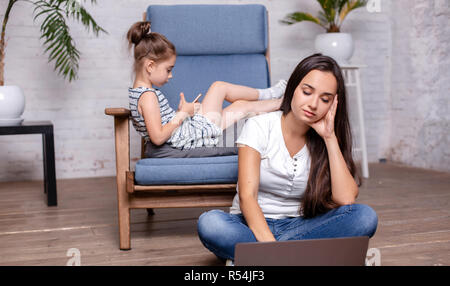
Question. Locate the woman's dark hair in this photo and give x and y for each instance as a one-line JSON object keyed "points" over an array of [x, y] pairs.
{"points": [[317, 197], [148, 44]]}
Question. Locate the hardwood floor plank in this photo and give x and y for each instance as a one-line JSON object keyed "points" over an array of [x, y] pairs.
{"points": [[413, 208]]}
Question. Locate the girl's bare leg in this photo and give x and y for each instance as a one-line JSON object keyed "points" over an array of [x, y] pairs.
{"points": [[241, 109], [220, 91], [244, 100]]}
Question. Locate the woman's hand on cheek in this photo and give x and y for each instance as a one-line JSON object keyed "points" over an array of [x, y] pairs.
{"points": [[325, 126]]}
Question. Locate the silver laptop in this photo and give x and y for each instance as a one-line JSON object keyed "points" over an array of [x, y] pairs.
{"points": [[348, 251]]}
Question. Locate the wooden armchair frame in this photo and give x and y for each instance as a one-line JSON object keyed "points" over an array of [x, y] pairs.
{"points": [[131, 196]]}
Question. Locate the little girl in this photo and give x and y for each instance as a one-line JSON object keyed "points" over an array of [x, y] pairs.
{"points": [[194, 124]]}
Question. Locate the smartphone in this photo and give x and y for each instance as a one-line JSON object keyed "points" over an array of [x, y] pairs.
{"points": [[198, 96]]}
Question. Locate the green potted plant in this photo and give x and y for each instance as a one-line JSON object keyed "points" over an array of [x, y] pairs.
{"points": [[333, 43], [59, 45]]}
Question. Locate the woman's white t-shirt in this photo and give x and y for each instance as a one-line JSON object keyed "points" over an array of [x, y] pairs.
{"points": [[283, 178]]}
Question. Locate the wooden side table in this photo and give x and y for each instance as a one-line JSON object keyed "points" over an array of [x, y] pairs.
{"points": [[46, 129], [352, 79]]}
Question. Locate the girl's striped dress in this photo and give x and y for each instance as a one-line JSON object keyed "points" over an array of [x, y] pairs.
{"points": [[196, 131]]}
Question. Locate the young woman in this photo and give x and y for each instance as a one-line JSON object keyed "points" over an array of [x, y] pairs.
{"points": [[194, 124], [297, 178]]}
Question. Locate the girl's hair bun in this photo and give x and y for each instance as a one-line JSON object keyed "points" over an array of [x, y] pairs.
{"points": [[145, 27], [138, 31]]}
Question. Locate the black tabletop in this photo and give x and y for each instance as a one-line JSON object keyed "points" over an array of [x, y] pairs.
{"points": [[28, 127]]}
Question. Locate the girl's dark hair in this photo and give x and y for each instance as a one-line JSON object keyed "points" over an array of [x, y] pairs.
{"points": [[147, 44], [317, 197]]}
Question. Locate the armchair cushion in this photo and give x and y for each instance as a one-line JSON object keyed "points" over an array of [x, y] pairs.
{"points": [[180, 171], [194, 74], [212, 29]]}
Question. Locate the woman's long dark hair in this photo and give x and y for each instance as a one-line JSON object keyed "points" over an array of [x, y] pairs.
{"points": [[317, 197]]}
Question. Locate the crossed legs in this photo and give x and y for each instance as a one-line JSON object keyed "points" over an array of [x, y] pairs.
{"points": [[220, 231]]}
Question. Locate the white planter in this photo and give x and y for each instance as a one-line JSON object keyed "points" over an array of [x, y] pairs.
{"points": [[339, 46], [12, 105]]}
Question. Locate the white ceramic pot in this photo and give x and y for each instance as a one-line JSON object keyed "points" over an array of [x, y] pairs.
{"points": [[12, 105], [339, 46]]}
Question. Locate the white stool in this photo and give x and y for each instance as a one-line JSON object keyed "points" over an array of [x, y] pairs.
{"points": [[352, 79]]}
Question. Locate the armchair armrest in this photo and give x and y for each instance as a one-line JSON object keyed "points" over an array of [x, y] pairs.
{"points": [[123, 113], [122, 140], [118, 111]]}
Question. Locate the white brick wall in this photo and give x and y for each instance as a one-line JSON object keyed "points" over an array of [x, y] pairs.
{"points": [[84, 144], [420, 84]]}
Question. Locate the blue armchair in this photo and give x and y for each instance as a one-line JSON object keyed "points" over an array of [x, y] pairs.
{"points": [[213, 42]]}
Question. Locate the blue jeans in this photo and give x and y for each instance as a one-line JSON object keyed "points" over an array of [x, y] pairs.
{"points": [[220, 231]]}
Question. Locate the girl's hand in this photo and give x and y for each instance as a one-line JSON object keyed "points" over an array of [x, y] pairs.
{"points": [[186, 107], [325, 126]]}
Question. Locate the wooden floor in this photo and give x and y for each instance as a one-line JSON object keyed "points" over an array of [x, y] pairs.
{"points": [[412, 206]]}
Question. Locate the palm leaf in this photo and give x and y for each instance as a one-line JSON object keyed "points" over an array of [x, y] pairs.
{"points": [[329, 9], [340, 4], [351, 5], [322, 17], [299, 17], [58, 40], [78, 13]]}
